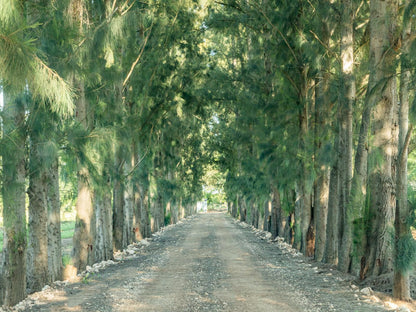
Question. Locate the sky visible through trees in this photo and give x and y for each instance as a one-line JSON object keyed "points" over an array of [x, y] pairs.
{"points": [[127, 112]]}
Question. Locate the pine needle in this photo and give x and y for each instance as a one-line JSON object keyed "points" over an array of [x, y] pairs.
{"points": [[49, 86]]}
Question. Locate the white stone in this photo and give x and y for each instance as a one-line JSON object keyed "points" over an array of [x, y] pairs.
{"points": [[390, 305], [375, 299], [367, 291], [97, 265]]}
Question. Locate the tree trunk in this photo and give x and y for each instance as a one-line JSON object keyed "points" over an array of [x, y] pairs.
{"points": [[158, 212], [175, 212], [297, 233], [321, 213], [358, 192], [305, 218], [14, 217], [383, 23], [346, 102], [305, 191], [255, 214], [38, 214], [267, 220], [104, 225], [288, 234], [322, 110], [137, 223], [401, 283], [234, 211], [83, 239], [277, 217], [182, 209], [332, 229], [54, 223], [119, 214], [145, 213], [243, 209], [129, 202]]}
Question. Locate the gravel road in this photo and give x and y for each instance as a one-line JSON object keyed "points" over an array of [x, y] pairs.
{"points": [[208, 263]]}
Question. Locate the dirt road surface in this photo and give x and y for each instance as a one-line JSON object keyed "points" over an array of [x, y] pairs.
{"points": [[209, 263]]}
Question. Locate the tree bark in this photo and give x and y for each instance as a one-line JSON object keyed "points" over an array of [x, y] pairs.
{"points": [[38, 214], [104, 224], [305, 216], [359, 191], [145, 213], [321, 213], [243, 209], [84, 236], [13, 190], [277, 216], [119, 205], [234, 211], [346, 102], [383, 23], [129, 201], [401, 282], [322, 110], [332, 229], [267, 220], [54, 223]]}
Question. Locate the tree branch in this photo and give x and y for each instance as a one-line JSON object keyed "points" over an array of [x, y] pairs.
{"points": [[403, 151], [137, 59]]}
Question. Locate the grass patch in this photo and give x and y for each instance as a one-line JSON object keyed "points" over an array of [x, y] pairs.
{"points": [[66, 260], [67, 229]]}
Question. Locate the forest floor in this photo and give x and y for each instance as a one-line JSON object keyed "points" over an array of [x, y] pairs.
{"points": [[210, 263]]}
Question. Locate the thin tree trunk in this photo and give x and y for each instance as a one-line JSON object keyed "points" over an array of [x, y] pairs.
{"points": [[137, 223], [182, 209], [234, 211], [321, 213], [277, 216], [297, 233], [54, 223], [129, 202], [104, 225], [305, 217], [347, 101], [332, 229], [401, 283], [119, 214], [13, 190], [321, 185], [267, 220], [145, 213], [38, 214], [83, 239], [243, 209]]}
